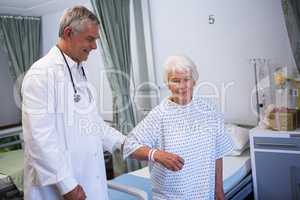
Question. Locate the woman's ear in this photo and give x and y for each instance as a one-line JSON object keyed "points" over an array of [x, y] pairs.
{"points": [[167, 84]]}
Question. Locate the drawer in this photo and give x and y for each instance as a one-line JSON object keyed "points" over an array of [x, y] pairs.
{"points": [[292, 143]]}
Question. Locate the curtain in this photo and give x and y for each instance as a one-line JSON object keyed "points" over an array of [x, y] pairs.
{"points": [[114, 16], [291, 10], [22, 41], [20, 38]]}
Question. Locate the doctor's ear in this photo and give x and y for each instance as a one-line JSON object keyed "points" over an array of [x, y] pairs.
{"points": [[68, 32]]}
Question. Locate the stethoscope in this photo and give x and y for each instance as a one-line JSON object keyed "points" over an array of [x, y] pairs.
{"points": [[77, 96]]}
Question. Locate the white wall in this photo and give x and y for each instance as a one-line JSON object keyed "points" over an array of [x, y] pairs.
{"points": [[243, 29], [94, 65]]}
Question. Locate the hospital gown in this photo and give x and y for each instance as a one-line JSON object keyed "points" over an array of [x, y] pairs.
{"points": [[196, 133]]}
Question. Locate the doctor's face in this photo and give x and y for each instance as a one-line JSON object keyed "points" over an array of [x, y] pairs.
{"points": [[181, 84], [84, 41]]}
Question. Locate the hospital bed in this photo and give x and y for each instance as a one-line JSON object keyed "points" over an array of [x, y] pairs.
{"points": [[11, 178], [131, 186], [236, 176], [135, 185], [11, 166]]}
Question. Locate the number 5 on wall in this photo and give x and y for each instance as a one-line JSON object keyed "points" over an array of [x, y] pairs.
{"points": [[211, 19]]}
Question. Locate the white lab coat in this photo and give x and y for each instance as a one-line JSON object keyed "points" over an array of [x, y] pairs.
{"points": [[64, 140]]}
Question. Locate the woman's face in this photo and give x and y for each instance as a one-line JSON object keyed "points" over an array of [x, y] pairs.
{"points": [[181, 84]]}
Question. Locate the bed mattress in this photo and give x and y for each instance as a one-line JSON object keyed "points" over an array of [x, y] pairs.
{"points": [[235, 168]]}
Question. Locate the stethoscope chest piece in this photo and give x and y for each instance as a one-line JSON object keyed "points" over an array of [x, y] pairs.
{"points": [[77, 98]]}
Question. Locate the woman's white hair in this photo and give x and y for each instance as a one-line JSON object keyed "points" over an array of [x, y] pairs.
{"points": [[179, 62]]}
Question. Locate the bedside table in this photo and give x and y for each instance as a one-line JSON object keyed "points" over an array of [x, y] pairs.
{"points": [[275, 160]]}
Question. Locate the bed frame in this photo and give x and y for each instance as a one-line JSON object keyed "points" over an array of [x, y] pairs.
{"points": [[243, 190]]}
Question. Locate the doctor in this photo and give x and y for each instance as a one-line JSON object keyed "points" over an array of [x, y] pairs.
{"points": [[63, 133]]}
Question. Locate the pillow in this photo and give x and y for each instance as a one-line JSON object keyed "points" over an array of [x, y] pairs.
{"points": [[239, 136], [238, 152]]}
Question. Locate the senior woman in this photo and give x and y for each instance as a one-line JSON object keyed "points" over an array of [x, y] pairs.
{"points": [[182, 128]]}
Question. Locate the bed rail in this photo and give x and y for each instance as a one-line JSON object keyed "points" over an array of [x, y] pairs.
{"points": [[10, 132], [140, 194]]}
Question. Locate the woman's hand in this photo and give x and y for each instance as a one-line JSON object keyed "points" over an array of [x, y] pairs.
{"points": [[220, 195], [169, 160]]}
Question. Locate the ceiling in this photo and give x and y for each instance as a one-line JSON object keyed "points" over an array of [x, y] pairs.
{"points": [[35, 7]]}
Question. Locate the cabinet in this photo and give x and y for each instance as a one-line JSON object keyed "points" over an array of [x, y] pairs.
{"points": [[275, 160]]}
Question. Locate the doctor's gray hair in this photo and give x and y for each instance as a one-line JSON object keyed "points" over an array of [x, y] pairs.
{"points": [[179, 62], [75, 18]]}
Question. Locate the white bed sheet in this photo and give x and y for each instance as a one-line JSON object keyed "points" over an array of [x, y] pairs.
{"points": [[235, 168], [3, 176]]}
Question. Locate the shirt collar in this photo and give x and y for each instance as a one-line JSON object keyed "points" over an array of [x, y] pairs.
{"points": [[71, 62], [172, 105]]}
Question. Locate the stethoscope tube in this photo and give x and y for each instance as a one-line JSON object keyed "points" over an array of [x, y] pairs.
{"points": [[76, 96]]}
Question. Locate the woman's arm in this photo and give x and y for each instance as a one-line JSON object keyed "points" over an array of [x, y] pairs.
{"points": [[143, 140], [219, 192], [169, 160]]}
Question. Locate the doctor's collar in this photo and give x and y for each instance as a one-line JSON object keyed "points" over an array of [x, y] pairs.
{"points": [[71, 62]]}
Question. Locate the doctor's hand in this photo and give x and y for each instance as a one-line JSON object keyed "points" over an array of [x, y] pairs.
{"points": [[76, 194], [170, 161]]}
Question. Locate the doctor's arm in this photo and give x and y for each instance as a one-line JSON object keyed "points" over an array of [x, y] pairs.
{"points": [[41, 137], [112, 139]]}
